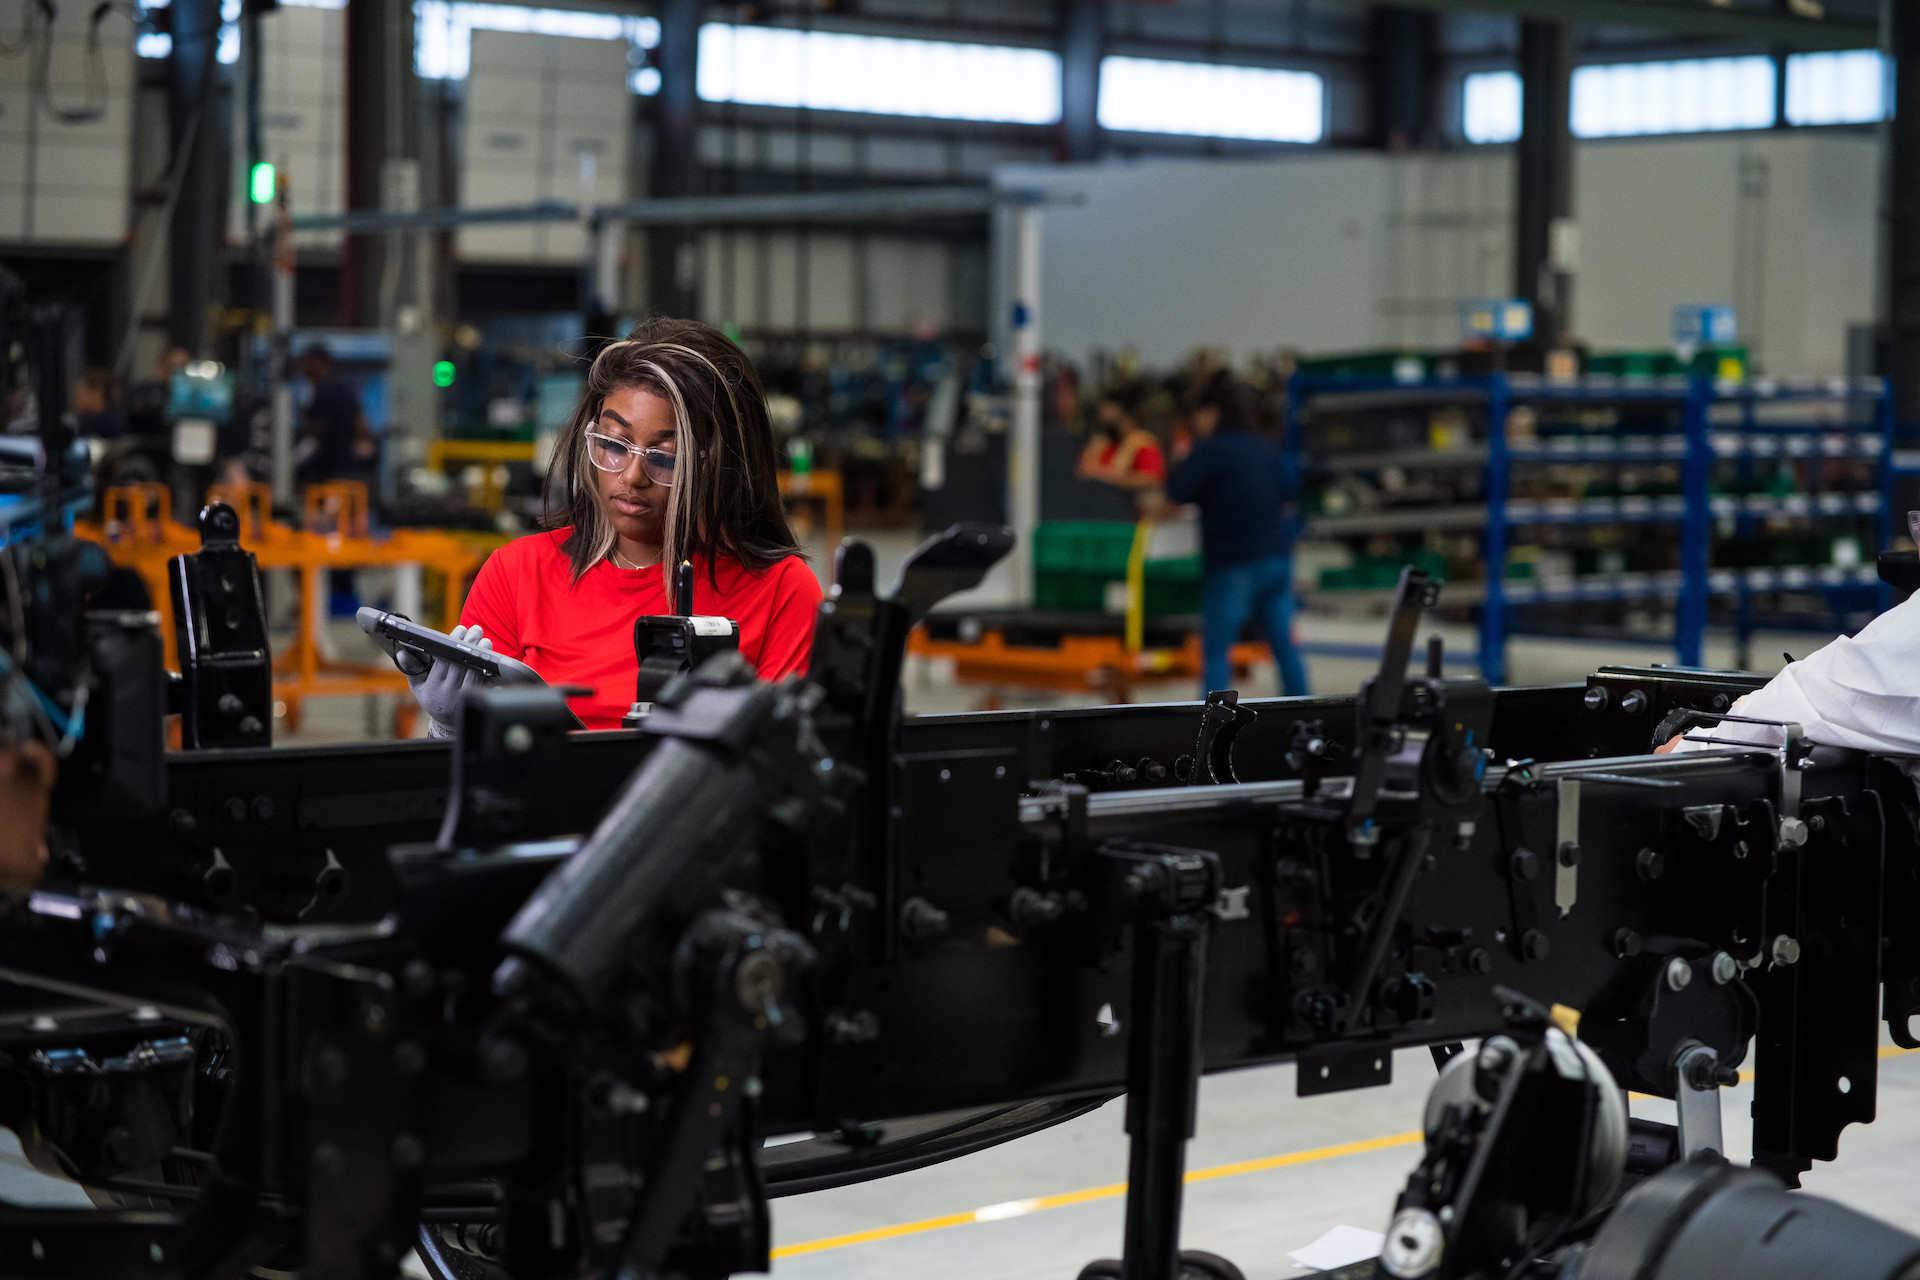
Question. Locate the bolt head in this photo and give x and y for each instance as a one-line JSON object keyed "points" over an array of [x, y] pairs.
{"points": [[1679, 974], [1596, 698], [1786, 950], [1626, 943], [1725, 968], [517, 738]]}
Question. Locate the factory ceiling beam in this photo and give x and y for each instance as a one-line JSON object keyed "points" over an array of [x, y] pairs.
{"points": [[1770, 26]]}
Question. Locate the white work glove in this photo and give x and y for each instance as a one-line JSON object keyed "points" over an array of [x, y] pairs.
{"points": [[437, 686]]}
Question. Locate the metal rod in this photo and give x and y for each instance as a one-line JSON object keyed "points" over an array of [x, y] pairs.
{"points": [[900, 202]]}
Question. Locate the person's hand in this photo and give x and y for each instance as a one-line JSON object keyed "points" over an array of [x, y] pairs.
{"points": [[27, 773], [1667, 746], [437, 687]]}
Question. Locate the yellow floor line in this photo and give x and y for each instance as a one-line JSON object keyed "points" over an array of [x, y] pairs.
{"points": [[1020, 1208]]}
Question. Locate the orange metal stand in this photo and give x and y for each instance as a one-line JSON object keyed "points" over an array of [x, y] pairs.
{"points": [[139, 535], [1079, 664]]}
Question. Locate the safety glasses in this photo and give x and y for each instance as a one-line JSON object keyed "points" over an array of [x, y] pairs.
{"points": [[610, 453]]}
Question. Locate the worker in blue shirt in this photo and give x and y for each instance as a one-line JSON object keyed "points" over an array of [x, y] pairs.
{"points": [[1240, 481]]}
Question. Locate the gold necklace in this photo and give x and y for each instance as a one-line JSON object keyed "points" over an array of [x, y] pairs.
{"points": [[636, 568]]}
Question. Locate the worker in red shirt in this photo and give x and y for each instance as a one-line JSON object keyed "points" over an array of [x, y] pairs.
{"points": [[1120, 451], [668, 457]]}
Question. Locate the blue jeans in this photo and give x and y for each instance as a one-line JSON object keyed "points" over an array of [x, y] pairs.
{"points": [[1230, 595]]}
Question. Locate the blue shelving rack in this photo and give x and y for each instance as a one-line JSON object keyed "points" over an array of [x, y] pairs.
{"points": [[1721, 427]]}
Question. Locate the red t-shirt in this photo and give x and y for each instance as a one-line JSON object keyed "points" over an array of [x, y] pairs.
{"points": [[526, 602], [1147, 460]]}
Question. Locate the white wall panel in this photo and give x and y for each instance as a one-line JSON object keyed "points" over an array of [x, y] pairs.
{"points": [[302, 117], [853, 284], [68, 183], [1331, 252], [536, 105], [908, 284]]}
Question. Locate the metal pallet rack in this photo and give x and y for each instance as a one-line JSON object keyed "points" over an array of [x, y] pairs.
{"points": [[1815, 423]]}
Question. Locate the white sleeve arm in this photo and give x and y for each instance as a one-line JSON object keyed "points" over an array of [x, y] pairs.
{"points": [[1861, 692]]}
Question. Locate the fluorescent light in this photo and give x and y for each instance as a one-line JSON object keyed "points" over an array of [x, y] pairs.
{"points": [[1837, 88], [1490, 107], [1209, 100], [1698, 95], [832, 71]]}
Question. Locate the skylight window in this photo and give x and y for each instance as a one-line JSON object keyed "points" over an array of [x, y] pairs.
{"points": [[833, 71], [1208, 100], [1490, 107], [1699, 95], [1837, 88]]}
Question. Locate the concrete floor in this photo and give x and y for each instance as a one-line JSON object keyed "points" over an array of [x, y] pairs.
{"points": [[1043, 1206], [1316, 1163], [1343, 1159]]}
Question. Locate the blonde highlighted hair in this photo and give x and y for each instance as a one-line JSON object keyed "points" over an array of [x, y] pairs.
{"points": [[725, 496]]}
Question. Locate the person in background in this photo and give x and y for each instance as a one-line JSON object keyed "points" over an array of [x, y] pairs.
{"points": [[147, 399], [335, 441], [96, 409], [1121, 452], [1238, 478], [335, 444]]}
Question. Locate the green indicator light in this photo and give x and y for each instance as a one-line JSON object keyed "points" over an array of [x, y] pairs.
{"points": [[443, 373], [260, 183]]}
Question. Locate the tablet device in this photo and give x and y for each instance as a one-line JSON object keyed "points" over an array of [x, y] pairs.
{"points": [[395, 631]]}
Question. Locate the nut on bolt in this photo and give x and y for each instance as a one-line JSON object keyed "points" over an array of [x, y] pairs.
{"points": [[920, 919], [1786, 950], [1725, 968], [1793, 833], [1679, 974]]}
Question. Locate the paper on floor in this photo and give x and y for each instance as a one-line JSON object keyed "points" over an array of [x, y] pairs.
{"points": [[1338, 1248]]}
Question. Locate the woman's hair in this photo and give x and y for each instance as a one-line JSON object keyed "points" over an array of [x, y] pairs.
{"points": [[725, 496]]}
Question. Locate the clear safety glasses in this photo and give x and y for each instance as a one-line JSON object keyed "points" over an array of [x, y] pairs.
{"points": [[610, 453]]}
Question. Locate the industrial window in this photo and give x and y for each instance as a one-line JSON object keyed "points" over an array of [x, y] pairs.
{"points": [[443, 31], [1204, 99], [832, 71], [1490, 107], [1696, 95], [1836, 88]]}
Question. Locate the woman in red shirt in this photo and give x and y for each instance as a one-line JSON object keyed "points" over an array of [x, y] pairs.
{"points": [[668, 457], [1121, 452]]}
